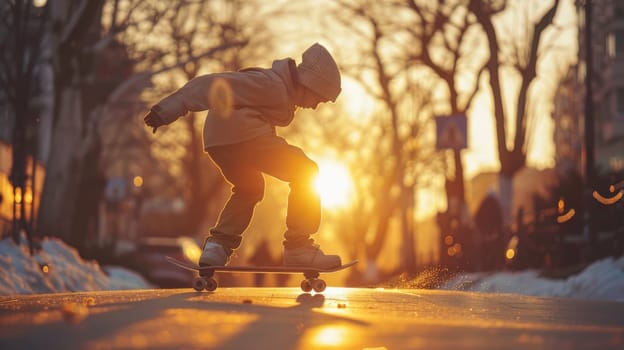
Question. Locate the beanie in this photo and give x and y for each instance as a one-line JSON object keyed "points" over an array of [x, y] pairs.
{"points": [[319, 72]]}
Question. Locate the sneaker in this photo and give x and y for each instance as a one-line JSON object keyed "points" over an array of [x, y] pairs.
{"points": [[213, 255], [310, 256]]}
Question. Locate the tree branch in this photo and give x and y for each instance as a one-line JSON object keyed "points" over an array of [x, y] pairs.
{"points": [[483, 14], [529, 74]]}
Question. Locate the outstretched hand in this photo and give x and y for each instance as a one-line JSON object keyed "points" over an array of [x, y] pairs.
{"points": [[154, 120]]}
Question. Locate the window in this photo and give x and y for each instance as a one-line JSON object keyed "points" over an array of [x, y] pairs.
{"points": [[582, 71], [619, 42], [611, 45], [618, 8], [619, 100]]}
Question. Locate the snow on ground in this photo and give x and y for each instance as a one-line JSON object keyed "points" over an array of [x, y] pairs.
{"points": [[602, 280], [58, 268]]}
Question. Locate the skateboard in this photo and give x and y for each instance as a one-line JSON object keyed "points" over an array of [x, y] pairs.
{"points": [[206, 281]]}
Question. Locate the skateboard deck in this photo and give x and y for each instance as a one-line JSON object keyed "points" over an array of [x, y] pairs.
{"points": [[206, 273]]}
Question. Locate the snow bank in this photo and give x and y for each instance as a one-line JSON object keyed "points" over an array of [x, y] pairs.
{"points": [[57, 268], [602, 280]]}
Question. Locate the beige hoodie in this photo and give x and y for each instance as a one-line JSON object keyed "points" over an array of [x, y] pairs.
{"points": [[245, 105]]}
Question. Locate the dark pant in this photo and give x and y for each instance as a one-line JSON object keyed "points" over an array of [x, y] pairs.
{"points": [[242, 165]]}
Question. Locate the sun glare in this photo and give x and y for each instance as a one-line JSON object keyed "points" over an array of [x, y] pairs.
{"points": [[334, 184]]}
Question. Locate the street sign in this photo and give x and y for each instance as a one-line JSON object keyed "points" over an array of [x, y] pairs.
{"points": [[451, 132], [116, 189]]}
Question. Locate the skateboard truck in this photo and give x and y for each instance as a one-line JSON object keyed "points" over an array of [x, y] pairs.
{"points": [[312, 281]]}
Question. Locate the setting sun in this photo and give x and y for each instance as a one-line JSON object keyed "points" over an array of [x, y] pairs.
{"points": [[333, 184]]}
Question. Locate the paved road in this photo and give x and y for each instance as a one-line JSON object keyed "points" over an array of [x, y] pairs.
{"points": [[284, 318]]}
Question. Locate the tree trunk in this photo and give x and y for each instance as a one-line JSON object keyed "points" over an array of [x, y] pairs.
{"points": [[515, 159], [511, 163], [505, 189], [62, 169], [407, 218], [90, 187]]}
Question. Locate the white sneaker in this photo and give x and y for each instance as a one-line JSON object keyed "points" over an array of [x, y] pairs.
{"points": [[213, 255], [310, 256]]}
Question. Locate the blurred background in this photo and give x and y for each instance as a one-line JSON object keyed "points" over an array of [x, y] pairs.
{"points": [[470, 135]]}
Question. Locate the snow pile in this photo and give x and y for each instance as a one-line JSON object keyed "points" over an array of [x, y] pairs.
{"points": [[57, 268], [603, 280]]}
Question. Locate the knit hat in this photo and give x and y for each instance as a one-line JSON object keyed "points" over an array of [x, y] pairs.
{"points": [[319, 72]]}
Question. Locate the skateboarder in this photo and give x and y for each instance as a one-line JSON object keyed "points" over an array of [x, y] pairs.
{"points": [[239, 135]]}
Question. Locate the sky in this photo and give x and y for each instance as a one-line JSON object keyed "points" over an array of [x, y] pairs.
{"points": [[481, 154]]}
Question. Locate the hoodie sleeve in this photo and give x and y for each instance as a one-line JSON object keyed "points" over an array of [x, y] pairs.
{"points": [[222, 93]]}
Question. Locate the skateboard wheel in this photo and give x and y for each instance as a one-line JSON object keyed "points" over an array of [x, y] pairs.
{"points": [[211, 284], [306, 286], [319, 285], [199, 284]]}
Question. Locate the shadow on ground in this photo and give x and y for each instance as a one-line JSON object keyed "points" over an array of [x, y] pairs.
{"points": [[184, 320]]}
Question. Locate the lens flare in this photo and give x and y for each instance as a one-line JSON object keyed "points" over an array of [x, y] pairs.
{"points": [[221, 98]]}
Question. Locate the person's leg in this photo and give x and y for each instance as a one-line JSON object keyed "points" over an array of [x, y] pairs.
{"points": [[247, 190], [242, 164], [275, 157]]}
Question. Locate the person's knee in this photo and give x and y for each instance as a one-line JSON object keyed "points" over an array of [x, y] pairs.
{"points": [[306, 174], [252, 193], [310, 170]]}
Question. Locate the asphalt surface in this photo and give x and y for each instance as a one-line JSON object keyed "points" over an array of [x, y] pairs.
{"points": [[286, 318]]}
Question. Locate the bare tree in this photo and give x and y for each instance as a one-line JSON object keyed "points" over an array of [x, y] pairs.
{"points": [[75, 39], [21, 31], [438, 40], [523, 59], [395, 134]]}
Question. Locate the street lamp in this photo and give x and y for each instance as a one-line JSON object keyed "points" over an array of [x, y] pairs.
{"points": [[137, 181]]}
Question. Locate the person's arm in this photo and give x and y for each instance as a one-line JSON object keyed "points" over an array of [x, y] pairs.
{"points": [[220, 92], [194, 96]]}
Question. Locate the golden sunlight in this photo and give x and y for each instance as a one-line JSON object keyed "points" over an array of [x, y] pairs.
{"points": [[334, 184], [332, 335]]}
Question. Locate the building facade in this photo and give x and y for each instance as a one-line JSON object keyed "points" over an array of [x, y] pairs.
{"points": [[606, 45]]}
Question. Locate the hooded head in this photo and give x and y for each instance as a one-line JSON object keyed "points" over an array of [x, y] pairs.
{"points": [[319, 72]]}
